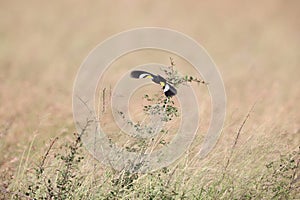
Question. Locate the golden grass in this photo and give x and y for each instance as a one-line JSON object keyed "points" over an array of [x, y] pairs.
{"points": [[255, 46]]}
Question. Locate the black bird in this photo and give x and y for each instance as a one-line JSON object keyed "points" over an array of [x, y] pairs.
{"points": [[168, 89]]}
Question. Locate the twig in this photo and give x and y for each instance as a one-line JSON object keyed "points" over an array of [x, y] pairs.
{"points": [[295, 177], [171, 176], [172, 64], [237, 137], [41, 166]]}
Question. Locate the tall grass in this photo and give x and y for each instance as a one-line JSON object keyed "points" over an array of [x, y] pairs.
{"points": [[66, 171]]}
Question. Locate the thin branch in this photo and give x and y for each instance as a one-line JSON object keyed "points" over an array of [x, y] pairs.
{"points": [[41, 166], [238, 136], [103, 100]]}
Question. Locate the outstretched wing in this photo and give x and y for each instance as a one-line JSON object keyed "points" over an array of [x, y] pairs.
{"points": [[141, 74], [168, 89]]}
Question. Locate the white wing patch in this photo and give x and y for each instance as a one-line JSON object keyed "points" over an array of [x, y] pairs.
{"points": [[167, 87], [143, 75]]}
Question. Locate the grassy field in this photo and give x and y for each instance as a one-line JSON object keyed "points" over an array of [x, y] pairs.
{"points": [[256, 46]]}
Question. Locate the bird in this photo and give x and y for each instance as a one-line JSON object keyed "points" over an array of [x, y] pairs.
{"points": [[168, 89]]}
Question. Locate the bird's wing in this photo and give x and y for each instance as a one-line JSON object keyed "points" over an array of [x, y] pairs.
{"points": [[141, 74], [169, 90]]}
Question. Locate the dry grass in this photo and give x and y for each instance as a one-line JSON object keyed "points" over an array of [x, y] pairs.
{"points": [[255, 45]]}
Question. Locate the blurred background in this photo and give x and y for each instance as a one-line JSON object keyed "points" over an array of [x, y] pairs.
{"points": [[255, 44]]}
